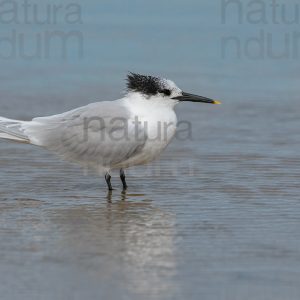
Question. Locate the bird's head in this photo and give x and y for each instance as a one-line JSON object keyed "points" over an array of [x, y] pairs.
{"points": [[161, 89]]}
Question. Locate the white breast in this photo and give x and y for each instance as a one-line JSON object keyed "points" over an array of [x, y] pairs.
{"points": [[159, 120]]}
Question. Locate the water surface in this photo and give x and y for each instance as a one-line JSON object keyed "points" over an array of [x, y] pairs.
{"points": [[217, 217]]}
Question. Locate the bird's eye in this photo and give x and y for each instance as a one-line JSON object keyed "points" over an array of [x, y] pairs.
{"points": [[166, 92]]}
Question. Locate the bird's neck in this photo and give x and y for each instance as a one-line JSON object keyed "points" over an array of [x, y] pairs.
{"points": [[151, 110], [155, 102]]}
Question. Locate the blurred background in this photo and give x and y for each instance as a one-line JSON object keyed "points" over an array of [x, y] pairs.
{"points": [[218, 216]]}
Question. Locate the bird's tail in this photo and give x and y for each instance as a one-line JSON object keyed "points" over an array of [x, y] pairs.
{"points": [[13, 130]]}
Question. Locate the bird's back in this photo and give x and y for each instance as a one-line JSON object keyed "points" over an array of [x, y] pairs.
{"points": [[99, 135]]}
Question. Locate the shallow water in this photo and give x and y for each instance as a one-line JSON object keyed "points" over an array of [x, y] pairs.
{"points": [[217, 217]]}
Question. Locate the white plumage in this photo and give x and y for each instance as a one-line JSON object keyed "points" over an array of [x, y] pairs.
{"points": [[107, 135]]}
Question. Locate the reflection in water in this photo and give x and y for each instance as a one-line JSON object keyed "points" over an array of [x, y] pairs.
{"points": [[234, 187], [126, 237]]}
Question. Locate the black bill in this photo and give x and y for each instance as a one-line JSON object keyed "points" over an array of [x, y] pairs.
{"points": [[195, 98]]}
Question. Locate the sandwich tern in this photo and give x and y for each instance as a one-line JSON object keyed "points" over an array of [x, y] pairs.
{"points": [[109, 135]]}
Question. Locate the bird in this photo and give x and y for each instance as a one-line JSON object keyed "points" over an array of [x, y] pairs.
{"points": [[110, 135]]}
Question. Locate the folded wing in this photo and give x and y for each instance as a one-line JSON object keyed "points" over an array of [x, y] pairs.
{"points": [[99, 135]]}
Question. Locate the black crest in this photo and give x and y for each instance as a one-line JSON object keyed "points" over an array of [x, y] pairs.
{"points": [[147, 85]]}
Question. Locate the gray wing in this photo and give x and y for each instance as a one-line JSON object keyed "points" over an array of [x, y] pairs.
{"points": [[98, 135]]}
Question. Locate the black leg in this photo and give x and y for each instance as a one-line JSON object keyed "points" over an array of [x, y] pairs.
{"points": [[123, 177], [107, 179]]}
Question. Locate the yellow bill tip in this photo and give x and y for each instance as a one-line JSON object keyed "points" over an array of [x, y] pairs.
{"points": [[217, 102]]}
